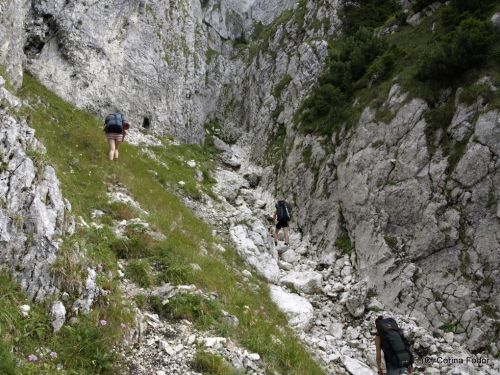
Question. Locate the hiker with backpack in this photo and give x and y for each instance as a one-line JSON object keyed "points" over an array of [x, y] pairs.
{"points": [[397, 354], [116, 128], [282, 217]]}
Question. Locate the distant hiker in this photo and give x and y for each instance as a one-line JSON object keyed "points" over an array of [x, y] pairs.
{"points": [[397, 354], [281, 217], [116, 128]]}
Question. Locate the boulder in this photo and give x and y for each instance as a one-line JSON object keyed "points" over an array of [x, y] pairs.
{"points": [[355, 367], [306, 282], [298, 309], [356, 298], [58, 314]]}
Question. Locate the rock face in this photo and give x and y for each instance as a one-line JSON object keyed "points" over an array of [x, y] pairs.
{"points": [[420, 227], [12, 37], [423, 225], [33, 212]]}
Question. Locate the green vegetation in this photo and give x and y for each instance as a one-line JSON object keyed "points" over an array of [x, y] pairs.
{"points": [[327, 108], [392, 242], [367, 14], [490, 311], [85, 176], [211, 364], [282, 83], [82, 347], [198, 309], [139, 271], [343, 242], [449, 327], [450, 49]]}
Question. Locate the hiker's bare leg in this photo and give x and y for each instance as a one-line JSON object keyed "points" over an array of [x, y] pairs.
{"points": [[276, 230], [111, 143], [286, 235], [118, 143]]}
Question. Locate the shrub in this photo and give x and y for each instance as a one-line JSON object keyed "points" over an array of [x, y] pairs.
{"points": [[208, 363], [367, 14], [344, 243], [383, 65], [325, 109], [467, 46]]}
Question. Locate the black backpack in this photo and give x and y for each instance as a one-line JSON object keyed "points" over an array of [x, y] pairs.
{"points": [[283, 212], [396, 349], [114, 123]]}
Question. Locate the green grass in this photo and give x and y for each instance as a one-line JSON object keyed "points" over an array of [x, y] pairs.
{"points": [[139, 271], [343, 242], [82, 347], [85, 175], [198, 309], [212, 364]]}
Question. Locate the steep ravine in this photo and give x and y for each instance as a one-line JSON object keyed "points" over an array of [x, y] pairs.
{"points": [[328, 301], [379, 209]]}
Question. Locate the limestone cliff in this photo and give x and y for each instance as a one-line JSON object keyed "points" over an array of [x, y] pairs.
{"points": [[424, 229]]}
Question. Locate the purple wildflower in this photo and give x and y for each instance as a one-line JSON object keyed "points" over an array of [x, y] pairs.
{"points": [[103, 322], [53, 355], [32, 358]]}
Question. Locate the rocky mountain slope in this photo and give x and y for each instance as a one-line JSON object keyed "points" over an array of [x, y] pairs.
{"points": [[396, 208]]}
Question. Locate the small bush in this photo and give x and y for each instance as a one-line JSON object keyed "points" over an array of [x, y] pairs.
{"points": [[122, 211], [383, 65], [449, 327], [208, 363], [139, 272], [344, 243], [195, 308]]}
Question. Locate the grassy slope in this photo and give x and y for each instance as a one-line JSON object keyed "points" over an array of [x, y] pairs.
{"points": [[77, 149]]}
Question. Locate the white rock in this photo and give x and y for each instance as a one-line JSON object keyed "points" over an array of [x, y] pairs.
{"points": [[58, 314], [298, 309], [448, 337], [25, 310], [181, 183], [213, 342], [495, 20], [285, 265], [253, 357], [306, 282], [290, 256], [246, 273], [355, 367], [191, 163]]}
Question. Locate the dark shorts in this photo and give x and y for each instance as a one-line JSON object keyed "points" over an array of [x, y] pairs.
{"points": [[282, 224]]}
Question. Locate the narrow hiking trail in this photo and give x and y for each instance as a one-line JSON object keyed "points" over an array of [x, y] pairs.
{"points": [[330, 306]]}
